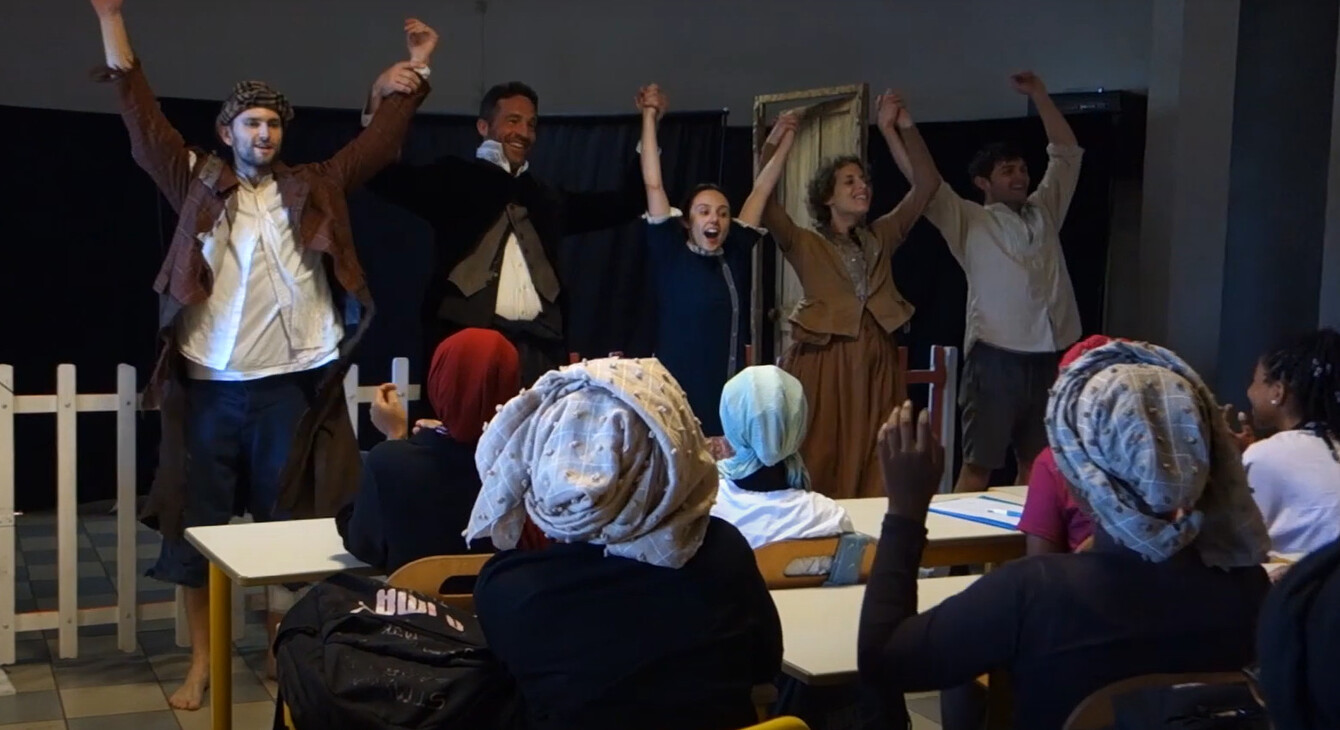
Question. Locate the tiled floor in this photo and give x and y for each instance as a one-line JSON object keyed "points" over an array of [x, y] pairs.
{"points": [[106, 689]]}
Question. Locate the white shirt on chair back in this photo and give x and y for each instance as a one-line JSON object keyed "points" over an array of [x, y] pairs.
{"points": [[270, 309], [1019, 293]]}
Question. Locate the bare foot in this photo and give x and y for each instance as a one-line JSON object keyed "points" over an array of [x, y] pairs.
{"points": [[191, 694]]}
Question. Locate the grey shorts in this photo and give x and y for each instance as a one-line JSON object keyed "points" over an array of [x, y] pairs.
{"points": [[1003, 396]]}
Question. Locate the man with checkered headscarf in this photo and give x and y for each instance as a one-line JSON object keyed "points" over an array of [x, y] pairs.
{"points": [[263, 303]]}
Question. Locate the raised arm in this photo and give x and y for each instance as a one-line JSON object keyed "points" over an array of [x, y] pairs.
{"points": [[584, 212], [1058, 129], [1057, 186], [658, 205], [781, 138], [402, 88], [155, 145], [896, 124], [898, 649]]}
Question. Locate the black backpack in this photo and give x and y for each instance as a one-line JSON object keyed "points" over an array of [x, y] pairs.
{"points": [[356, 654]]}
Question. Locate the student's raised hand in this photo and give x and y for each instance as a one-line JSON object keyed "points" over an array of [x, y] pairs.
{"points": [[388, 412], [421, 40], [1027, 83], [106, 7], [1243, 433], [912, 461]]}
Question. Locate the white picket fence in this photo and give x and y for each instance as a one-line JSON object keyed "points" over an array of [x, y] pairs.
{"points": [[67, 404]]}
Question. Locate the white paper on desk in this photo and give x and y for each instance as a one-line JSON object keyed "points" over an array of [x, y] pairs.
{"points": [[984, 509]]}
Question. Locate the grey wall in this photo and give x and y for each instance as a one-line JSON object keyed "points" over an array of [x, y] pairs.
{"points": [[949, 56]]}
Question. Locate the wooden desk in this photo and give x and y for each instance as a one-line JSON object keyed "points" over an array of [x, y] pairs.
{"points": [[259, 554], [819, 626], [949, 540]]}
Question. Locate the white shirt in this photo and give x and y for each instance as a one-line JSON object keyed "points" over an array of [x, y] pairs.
{"points": [[1019, 293], [786, 514], [270, 309], [1295, 480]]}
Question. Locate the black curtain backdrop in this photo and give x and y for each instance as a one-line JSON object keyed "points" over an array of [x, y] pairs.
{"points": [[87, 232]]}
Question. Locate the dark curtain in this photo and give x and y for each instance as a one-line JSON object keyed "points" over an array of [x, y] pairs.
{"points": [[87, 233]]}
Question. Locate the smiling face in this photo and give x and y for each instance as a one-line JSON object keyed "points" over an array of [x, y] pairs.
{"points": [[708, 219], [851, 192], [513, 126], [1007, 184], [255, 136]]}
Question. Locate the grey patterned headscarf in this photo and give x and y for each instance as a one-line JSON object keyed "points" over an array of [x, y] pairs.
{"points": [[253, 95], [1139, 436], [604, 452]]}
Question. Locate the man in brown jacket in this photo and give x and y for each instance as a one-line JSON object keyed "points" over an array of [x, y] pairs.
{"points": [[258, 286]]}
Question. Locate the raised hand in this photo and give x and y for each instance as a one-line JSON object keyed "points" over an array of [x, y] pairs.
{"points": [[787, 124], [651, 97], [1027, 83], [398, 79], [106, 7], [912, 461], [1244, 435], [890, 110], [421, 40], [388, 412]]}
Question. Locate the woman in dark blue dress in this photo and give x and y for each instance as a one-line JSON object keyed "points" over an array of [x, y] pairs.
{"points": [[701, 263]]}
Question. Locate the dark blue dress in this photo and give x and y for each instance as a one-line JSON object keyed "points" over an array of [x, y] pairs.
{"points": [[702, 311]]}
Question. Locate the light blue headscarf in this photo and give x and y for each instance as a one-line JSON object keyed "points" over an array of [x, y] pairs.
{"points": [[764, 417]]}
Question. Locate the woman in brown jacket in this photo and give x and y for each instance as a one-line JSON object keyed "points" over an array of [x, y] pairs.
{"points": [[845, 354]]}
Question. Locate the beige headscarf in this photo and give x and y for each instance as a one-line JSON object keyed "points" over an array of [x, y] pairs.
{"points": [[606, 452]]}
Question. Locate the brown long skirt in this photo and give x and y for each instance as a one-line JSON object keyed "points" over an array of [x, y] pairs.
{"points": [[851, 386]]}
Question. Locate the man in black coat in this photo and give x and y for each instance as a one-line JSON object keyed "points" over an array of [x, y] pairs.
{"points": [[497, 229]]}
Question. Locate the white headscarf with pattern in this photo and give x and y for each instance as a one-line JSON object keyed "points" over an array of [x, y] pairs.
{"points": [[606, 452]]}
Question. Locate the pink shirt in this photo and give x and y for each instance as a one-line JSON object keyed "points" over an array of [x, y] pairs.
{"points": [[1050, 512]]}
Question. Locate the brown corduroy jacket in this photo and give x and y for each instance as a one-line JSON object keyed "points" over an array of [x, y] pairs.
{"points": [[324, 465]]}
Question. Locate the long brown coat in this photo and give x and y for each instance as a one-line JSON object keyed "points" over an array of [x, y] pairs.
{"points": [[324, 465]]}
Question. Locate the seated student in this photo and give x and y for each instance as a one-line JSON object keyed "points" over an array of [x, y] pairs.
{"points": [[417, 490], [1052, 520], [645, 612], [765, 487], [1173, 582], [1295, 473], [1299, 644]]}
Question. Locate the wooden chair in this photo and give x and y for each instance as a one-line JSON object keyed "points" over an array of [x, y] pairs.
{"points": [[774, 558], [1095, 712], [781, 723], [428, 576]]}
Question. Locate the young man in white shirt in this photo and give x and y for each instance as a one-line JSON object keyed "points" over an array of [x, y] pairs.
{"points": [[1295, 473], [1021, 311], [253, 343]]}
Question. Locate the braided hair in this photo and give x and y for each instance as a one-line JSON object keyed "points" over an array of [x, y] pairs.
{"points": [[1310, 370]]}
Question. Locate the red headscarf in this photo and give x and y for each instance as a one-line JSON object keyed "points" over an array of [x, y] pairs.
{"points": [[472, 372], [1077, 350]]}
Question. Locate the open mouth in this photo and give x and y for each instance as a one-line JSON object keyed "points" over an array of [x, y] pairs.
{"points": [[712, 234], [517, 146], [863, 197]]}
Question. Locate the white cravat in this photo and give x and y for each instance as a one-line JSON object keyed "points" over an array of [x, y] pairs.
{"points": [[517, 298]]}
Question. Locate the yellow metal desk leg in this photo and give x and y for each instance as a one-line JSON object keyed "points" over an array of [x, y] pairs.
{"points": [[220, 648]]}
